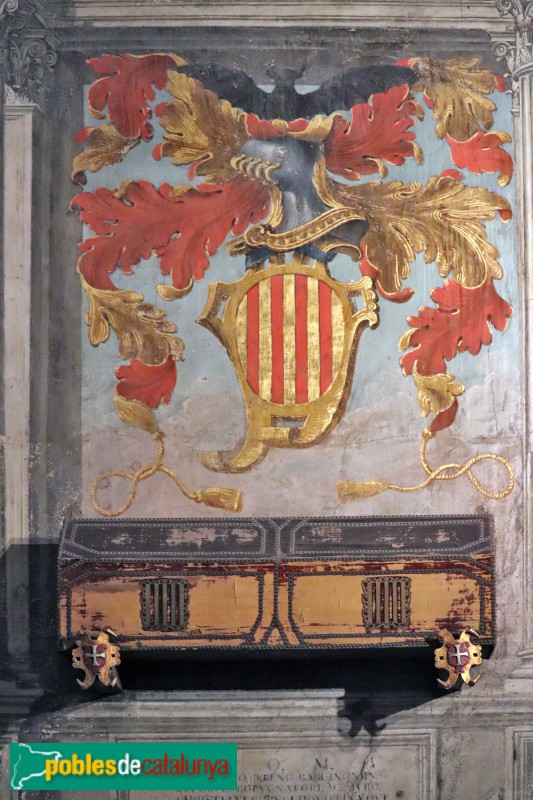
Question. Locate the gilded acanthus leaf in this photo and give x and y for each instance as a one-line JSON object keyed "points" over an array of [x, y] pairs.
{"points": [[436, 393], [142, 330], [443, 219], [105, 146], [457, 90], [201, 128], [136, 414]]}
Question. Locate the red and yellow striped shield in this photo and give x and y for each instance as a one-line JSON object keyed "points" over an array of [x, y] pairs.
{"points": [[291, 332], [290, 337]]}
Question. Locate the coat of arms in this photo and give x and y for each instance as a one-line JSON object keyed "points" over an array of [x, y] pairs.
{"points": [[457, 657], [286, 187], [98, 658]]}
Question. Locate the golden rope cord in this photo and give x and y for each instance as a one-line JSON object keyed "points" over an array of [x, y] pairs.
{"points": [[214, 496], [353, 490]]}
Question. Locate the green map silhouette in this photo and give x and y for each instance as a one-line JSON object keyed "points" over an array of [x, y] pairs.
{"points": [[30, 763]]}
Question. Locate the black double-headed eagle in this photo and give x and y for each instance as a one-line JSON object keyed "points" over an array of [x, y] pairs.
{"points": [[343, 91]]}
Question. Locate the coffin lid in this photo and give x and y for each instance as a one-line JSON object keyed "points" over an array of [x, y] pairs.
{"points": [[275, 538]]}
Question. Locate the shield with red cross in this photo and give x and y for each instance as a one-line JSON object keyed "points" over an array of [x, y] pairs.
{"points": [[98, 658]]}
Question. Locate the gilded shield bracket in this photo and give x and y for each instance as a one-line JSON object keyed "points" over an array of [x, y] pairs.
{"points": [[99, 659], [457, 657], [291, 332]]}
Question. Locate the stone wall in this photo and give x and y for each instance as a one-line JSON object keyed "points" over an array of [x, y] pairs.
{"points": [[410, 743]]}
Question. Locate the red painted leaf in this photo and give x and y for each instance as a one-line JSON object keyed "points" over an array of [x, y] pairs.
{"points": [[377, 130], [182, 229], [452, 173], [444, 418], [151, 385], [460, 322], [207, 216], [483, 152], [258, 128], [127, 90]]}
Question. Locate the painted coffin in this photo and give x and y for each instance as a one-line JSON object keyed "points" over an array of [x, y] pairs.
{"points": [[276, 583]]}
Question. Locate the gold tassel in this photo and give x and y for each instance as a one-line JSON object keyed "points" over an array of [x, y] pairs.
{"points": [[352, 490], [216, 497]]}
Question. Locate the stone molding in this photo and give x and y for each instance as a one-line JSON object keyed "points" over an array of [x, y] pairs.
{"points": [[518, 761], [365, 13], [18, 174], [312, 716], [299, 724]]}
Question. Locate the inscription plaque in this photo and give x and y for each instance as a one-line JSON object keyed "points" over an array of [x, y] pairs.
{"points": [[352, 772]]}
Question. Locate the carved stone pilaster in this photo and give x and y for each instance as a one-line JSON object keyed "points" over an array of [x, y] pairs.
{"points": [[517, 53], [28, 46]]}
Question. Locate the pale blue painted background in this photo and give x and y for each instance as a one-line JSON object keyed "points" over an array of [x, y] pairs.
{"points": [[380, 395]]}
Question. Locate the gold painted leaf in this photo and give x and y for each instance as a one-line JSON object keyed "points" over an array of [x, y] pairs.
{"points": [[141, 328], [436, 393], [105, 146], [199, 127], [170, 293], [457, 90], [443, 219], [136, 414]]}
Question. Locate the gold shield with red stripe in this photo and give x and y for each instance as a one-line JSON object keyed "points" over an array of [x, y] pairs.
{"points": [[291, 332]]}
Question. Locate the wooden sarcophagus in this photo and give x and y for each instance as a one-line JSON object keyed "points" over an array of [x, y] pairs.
{"points": [[276, 584]]}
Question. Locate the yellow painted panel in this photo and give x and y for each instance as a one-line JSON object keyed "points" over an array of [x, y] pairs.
{"points": [[325, 603], [224, 604]]}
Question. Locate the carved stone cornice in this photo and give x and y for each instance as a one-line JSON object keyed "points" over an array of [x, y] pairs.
{"points": [[516, 51], [28, 46]]}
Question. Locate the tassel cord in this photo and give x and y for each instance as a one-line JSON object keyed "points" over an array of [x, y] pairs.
{"points": [[142, 474], [353, 490], [464, 469], [228, 499]]}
